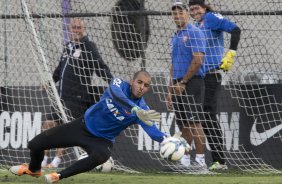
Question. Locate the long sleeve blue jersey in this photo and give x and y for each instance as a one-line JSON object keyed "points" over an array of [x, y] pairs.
{"points": [[112, 114], [213, 26]]}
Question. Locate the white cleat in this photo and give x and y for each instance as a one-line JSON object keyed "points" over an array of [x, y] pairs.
{"points": [[216, 166]]}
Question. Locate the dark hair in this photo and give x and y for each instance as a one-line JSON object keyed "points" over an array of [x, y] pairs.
{"points": [[194, 2], [202, 4], [208, 8], [139, 72]]}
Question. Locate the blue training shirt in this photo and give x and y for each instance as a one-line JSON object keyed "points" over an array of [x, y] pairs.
{"points": [[213, 26], [183, 44], [111, 114]]}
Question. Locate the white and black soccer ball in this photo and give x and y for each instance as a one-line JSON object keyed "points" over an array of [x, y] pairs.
{"points": [[106, 167], [172, 149]]}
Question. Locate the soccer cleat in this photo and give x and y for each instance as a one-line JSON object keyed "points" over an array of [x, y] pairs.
{"points": [[200, 161], [185, 161], [217, 166], [52, 178], [23, 169], [198, 167]]}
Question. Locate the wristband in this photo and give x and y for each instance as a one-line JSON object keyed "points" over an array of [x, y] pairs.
{"points": [[134, 109]]}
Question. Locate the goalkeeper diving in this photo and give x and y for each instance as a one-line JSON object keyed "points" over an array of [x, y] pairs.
{"points": [[120, 106]]}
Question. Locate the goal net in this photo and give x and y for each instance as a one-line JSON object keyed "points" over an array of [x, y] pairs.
{"points": [[131, 35]]}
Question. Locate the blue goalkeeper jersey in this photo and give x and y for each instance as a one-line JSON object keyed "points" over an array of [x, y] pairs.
{"points": [[213, 26], [112, 114], [183, 44]]}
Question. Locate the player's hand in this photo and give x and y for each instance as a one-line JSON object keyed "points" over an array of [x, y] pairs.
{"points": [[169, 104], [147, 116], [179, 88], [228, 60]]}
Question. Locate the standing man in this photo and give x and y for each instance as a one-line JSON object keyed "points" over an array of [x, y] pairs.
{"points": [[78, 62], [213, 26], [186, 87], [121, 105]]}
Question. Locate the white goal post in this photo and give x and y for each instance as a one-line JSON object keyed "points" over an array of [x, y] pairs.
{"points": [[132, 35], [47, 79]]}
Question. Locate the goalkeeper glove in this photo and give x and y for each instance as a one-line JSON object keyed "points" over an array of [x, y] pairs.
{"points": [[185, 144], [182, 141], [147, 116], [228, 60]]}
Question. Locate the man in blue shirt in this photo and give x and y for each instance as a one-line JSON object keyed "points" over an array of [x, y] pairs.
{"points": [[186, 85], [213, 26], [121, 105]]}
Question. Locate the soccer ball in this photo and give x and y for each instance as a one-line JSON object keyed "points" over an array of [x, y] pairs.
{"points": [[172, 149], [107, 166]]}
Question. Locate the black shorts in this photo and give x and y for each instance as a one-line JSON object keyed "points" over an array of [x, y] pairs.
{"points": [[189, 105], [71, 134], [74, 109]]}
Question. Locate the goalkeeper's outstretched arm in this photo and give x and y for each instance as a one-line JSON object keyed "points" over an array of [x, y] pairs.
{"points": [[153, 132], [117, 91]]}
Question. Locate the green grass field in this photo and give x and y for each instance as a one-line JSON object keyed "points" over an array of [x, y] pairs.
{"points": [[124, 178]]}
